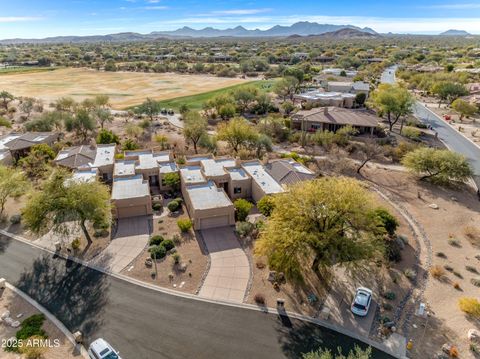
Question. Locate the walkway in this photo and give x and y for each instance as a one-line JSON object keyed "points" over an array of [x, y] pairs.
{"points": [[129, 241], [229, 272]]}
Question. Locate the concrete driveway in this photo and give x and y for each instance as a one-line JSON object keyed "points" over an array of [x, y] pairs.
{"points": [[130, 239], [229, 271]]}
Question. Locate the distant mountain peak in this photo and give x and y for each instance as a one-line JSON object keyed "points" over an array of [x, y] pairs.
{"points": [[453, 32]]}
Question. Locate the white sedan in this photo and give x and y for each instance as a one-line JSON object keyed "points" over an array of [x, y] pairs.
{"points": [[361, 302], [100, 349]]}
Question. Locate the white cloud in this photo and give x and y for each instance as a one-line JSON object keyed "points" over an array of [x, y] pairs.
{"points": [[9, 19]]}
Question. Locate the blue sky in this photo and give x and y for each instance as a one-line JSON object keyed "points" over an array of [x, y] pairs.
{"points": [[41, 18]]}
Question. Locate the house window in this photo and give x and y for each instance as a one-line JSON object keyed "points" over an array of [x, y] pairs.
{"points": [[237, 190]]}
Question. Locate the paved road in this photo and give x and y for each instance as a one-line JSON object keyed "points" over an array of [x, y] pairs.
{"points": [[143, 323], [451, 137]]}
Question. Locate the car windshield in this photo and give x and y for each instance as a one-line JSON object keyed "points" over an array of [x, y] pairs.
{"points": [[359, 306], [111, 355]]}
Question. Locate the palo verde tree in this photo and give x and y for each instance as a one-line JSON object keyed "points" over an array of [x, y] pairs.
{"points": [[194, 128], [62, 200], [448, 91], [6, 98], [149, 107], [13, 183], [318, 224], [237, 133], [440, 166], [392, 101], [464, 108]]}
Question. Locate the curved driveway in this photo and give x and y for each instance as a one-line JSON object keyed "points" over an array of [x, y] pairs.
{"points": [[143, 323]]}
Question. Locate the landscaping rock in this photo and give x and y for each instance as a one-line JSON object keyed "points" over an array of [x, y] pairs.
{"points": [[433, 206], [474, 335], [400, 243], [173, 250], [272, 275], [5, 315], [182, 267], [148, 262]]}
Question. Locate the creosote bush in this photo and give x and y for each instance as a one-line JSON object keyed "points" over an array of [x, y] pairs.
{"points": [[470, 306]]}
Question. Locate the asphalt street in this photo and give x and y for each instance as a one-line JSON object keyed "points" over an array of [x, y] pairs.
{"points": [[142, 323], [452, 138]]}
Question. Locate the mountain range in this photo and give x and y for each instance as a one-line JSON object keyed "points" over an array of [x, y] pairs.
{"points": [[453, 32], [303, 28]]}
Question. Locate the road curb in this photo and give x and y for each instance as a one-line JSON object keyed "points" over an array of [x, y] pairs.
{"points": [[78, 347], [266, 310]]}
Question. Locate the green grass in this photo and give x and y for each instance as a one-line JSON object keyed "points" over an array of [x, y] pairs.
{"points": [[195, 102], [25, 69]]}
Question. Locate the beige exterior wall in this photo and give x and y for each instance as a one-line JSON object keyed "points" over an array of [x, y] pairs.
{"points": [[132, 207], [213, 217], [245, 186], [257, 192]]}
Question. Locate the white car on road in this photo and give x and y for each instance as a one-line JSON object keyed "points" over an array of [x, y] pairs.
{"points": [[361, 302], [100, 349]]}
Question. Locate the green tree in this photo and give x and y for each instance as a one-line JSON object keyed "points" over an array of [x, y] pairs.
{"points": [[441, 166], [172, 180], [261, 145], [360, 98], [62, 200], [27, 105], [392, 101], [6, 97], [65, 104], [464, 108], [194, 128], [242, 209], [102, 116], [244, 97], [5, 123], [318, 224], [286, 87], [36, 164], [227, 111], [448, 91], [47, 122], [237, 133], [386, 220], [82, 123], [150, 108], [12, 184], [129, 145], [266, 205], [162, 140], [106, 137], [288, 107]]}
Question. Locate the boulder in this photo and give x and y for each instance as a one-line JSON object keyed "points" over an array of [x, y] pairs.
{"points": [[272, 275], [474, 335], [182, 267], [5, 315], [433, 206]]}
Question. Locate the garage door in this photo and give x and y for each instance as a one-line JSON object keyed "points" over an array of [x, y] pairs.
{"points": [[213, 222], [134, 211]]}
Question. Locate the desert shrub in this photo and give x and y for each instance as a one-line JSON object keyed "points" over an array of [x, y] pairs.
{"points": [[157, 206], [457, 274], [387, 220], [242, 208], [32, 326], [168, 244], [441, 255], [178, 200], [473, 235], [387, 306], [471, 269], [475, 282], [158, 252], [437, 272], [470, 306], [16, 219], [456, 285], [266, 205], [156, 240], [173, 206], [411, 133], [393, 251], [243, 229], [453, 352], [454, 242], [259, 298], [389, 296], [176, 258], [176, 239], [410, 273], [75, 244], [32, 349], [184, 224]]}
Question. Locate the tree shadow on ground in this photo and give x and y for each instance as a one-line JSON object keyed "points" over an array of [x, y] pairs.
{"points": [[4, 243], [75, 294], [302, 337]]}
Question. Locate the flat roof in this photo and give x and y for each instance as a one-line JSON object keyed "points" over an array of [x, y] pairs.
{"points": [[124, 168], [130, 187], [192, 174], [237, 173], [105, 155], [168, 167], [207, 196], [89, 175], [190, 160], [262, 178], [213, 168]]}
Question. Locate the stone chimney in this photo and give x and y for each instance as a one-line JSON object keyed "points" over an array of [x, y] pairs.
{"points": [[325, 110]]}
